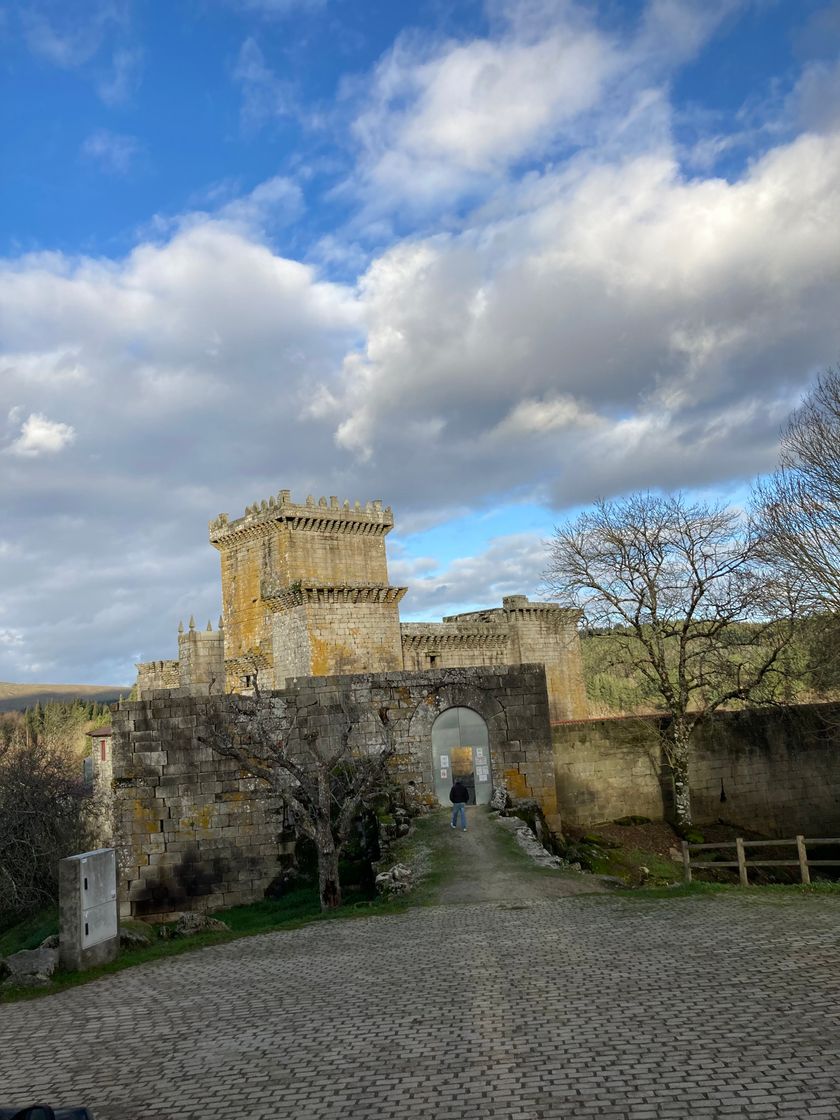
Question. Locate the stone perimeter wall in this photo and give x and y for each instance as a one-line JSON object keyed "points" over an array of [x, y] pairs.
{"points": [[192, 832], [196, 833], [778, 769]]}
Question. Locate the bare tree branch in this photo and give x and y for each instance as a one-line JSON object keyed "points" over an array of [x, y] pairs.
{"points": [[324, 776]]}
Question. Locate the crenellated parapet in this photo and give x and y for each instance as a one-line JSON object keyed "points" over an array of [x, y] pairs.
{"points": [[313, 516], [520, 607], [154, 675], [283, 598], [426, 636]]}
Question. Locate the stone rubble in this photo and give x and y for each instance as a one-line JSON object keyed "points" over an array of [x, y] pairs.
{"points": [[30, 968], [527, 840], [194, 922], [398, 879], [500, 799], [131, 939]]}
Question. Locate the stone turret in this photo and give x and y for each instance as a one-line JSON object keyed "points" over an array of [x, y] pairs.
{"points": [[201, 659], [305, 590]]}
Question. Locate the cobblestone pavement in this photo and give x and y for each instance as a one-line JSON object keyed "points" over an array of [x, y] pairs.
{"points": [[583, 1007]]}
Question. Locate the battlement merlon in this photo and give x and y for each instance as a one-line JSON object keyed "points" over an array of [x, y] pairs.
{"points": [[322, 516]]}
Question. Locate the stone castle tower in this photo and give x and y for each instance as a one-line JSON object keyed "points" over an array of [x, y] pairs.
{"points": [[305, 590], [305, 593]]}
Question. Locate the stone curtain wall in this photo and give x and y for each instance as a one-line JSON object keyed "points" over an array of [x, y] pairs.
{"points": [[780, 770], [606, 768], [194, 833], [152, 675], [511, 699]]}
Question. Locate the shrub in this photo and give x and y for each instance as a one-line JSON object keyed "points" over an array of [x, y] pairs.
{"points": [[46, 813]]}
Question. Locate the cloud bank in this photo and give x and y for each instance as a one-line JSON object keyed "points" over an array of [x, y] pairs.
{"points": [[555, 304]]}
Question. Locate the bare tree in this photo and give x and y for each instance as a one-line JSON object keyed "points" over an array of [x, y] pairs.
{"points": [[46, 813], [683, 598], [798, 507], [324, 764]]}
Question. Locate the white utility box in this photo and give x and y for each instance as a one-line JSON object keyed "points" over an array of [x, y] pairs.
{"points": [[88, 905]]}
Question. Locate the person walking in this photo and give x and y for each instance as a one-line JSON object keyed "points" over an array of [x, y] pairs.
{"points": [[459, 795]]}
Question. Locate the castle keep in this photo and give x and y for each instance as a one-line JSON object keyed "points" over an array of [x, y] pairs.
{"points": [[305, 593]]}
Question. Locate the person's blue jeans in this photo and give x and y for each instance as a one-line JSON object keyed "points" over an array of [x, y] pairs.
{"points": [[459, 810]]}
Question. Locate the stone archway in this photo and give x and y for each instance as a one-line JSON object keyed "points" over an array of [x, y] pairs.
{"points": [[461, 749]]}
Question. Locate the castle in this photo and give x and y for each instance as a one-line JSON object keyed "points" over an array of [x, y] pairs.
{"points": [[494, 697], [305, 593]]}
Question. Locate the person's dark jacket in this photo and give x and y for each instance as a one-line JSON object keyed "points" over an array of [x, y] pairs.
{"points": [[459, 794]]}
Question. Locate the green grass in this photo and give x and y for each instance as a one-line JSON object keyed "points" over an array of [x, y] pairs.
{"points": [[770, 892], [624, 863], [29, 933], [421, 850]]}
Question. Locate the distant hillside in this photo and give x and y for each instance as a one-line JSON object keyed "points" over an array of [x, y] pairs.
{"points": [[16, 697]]}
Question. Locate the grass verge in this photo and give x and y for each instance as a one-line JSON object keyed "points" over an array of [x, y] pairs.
{"points": [[765, 892]]}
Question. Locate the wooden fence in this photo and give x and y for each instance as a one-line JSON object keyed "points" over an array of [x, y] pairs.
{"points": [[741, 862]]}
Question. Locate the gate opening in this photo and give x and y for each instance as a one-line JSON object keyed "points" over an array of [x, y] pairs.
{"points": [[461, 749]]}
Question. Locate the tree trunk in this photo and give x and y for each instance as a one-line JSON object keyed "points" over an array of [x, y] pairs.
{"points": [[678, 760], [329, 885]]}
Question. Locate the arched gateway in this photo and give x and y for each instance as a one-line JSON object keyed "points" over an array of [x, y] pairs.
{"points": [[461, 749]]}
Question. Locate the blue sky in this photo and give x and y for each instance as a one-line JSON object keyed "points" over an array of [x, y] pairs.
{"points": [[484, 260]]}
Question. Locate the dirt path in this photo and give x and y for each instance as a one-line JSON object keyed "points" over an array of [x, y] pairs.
{"points": [[488, 865]]}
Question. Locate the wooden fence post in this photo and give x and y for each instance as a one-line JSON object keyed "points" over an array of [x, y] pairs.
{"points": [[686, 853], [802, 852], [742, 862]]}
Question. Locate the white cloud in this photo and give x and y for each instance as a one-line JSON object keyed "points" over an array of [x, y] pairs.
{"points": [[43, 367], [123, 79], [275, 202], [265, 96], [607, 296], [195, 359], [40, 436], [509, 565], [441, 120], [112, 151], [67, 35], [257, 214]]}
